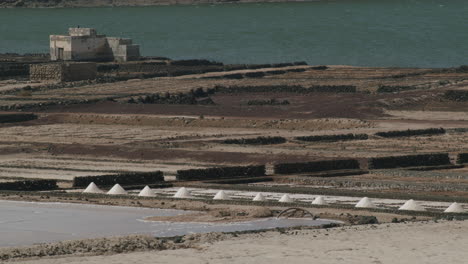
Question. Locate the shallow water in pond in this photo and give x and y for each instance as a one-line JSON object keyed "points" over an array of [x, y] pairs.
{"points": [[24, 223], [422, 33]]}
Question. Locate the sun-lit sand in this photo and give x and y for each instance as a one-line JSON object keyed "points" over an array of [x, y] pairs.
{"points": [[423, 242]]}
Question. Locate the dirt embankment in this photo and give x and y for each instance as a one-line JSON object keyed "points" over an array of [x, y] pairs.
{"points": [[103, 3]]}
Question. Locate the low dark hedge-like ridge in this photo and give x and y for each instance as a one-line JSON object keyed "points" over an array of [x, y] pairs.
{"points": [[411, 132], [331, 138], [12, 118], [409, 161], [221, 172], [268, 102], [315, 166], [462, 158], [256, 141], [287, 89], [457, 95], [29, 185], [394, 89], [195, 63], [126, 178]]}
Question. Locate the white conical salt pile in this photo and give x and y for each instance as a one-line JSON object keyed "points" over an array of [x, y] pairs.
{"points": [[286, 199], [412, 205], [455, 208], [182, 193], [221, 195], [319, 200], [146, 192], [92, 188], [365, 203], [259, 198], [117, 189]]}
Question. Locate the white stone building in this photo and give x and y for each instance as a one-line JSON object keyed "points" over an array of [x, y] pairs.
{"points": [[84, 44]]}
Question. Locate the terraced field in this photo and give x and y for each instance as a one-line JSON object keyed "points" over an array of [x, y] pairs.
{"points": [[119, 128]]}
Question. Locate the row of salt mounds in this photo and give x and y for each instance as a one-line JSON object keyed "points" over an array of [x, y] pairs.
{"points": [[117, 190], [92, 188], [183, 193], [365, 203], [319, 200], [259, 198], [454, 208], [221, 195], [286, 199], [146, 192], [412, 205]]}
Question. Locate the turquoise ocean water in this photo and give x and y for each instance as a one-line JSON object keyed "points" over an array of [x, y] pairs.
{"points": [[415, 33]]}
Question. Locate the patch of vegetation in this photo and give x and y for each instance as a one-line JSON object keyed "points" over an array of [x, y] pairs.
{"points": [[456, 95], [411, 132], [29, 185], [320, 68], [256, 141], [409, 161], [332, 138], [268, 102], [462, 69], [190, 98], [254, 74], [394, 89], [462, 158], [195, 63], [287, 89], [314, 166], [221, 172], [13, 118], [125, 178]]}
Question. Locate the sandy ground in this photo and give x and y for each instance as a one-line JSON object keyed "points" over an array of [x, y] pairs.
{"points": [[423, 242]]}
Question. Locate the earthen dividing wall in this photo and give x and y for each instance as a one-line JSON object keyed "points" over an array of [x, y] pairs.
{"points": [[63, 71]]}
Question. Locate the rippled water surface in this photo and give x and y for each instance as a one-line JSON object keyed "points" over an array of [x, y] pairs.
{"points": [[424, 33]]}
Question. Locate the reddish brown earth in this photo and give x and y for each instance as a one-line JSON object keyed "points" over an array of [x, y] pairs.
{"points": [[171, 137]]}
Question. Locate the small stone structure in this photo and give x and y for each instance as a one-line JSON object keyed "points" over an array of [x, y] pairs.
{"points": [[84, 44], [65, 71]]}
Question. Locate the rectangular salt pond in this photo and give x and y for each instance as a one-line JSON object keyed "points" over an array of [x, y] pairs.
{"points": [[27, 223]]}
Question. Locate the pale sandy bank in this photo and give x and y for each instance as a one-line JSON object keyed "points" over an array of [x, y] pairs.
{"points": [[443, 242]]}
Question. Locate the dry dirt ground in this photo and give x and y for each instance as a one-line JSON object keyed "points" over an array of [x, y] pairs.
{"points": [[110, 136], [422, 242]]}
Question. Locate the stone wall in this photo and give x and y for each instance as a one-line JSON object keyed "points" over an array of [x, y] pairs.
{"points": [[47, 71], [75, 71], [79, 71]]}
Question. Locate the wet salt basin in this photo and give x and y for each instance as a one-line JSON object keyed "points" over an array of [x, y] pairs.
{"points": [[27, 223]]}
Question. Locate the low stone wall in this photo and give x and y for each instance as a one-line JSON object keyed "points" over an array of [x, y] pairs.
{"points": [[80, 71], [70, 71], [49, 71]]}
